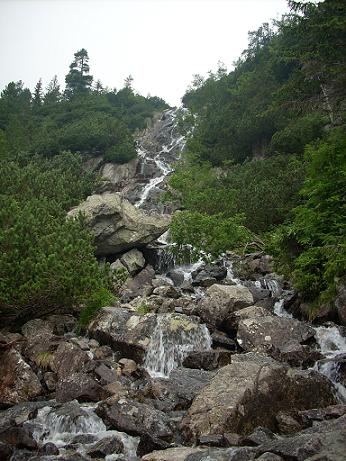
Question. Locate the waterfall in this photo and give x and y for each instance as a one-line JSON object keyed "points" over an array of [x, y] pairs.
{"points": [[174, 337], [165, 148], [333, 347]]}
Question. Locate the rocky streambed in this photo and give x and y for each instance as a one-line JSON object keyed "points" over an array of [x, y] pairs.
{"points": [[196, 362]]}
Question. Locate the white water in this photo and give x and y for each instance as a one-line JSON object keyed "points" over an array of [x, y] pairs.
{"points": [[332, 345], [54, 426], [176, 144], [280, 311], [173, 339]]}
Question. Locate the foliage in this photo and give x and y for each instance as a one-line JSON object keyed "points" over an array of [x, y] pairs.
{"points": [[212, 234], [313, 245], [99, 298], [45, 260], [143, 308]]}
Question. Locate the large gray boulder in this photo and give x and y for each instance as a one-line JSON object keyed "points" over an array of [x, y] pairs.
{"points": [[115, 177], [263, 334], [221, 301], [117, 225], [249, 393], [133, 260]]}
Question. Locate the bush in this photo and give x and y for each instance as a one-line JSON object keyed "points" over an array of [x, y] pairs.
{"points": [[100, 298]]}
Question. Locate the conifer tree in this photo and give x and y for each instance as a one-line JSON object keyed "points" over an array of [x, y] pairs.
{"points": [[78, 80]]}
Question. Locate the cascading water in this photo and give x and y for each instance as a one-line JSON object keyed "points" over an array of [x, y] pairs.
{"points": [[165, 148], [77, 426], [333, 347], [174, 337]]}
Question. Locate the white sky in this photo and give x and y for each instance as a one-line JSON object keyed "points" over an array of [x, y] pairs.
{"points": [[161, 43]]}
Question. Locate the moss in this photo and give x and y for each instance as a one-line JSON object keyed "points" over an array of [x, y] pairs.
{"points": [[181, 322]]}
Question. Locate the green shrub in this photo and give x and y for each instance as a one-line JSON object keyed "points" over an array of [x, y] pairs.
{"points": [[101, 297]]}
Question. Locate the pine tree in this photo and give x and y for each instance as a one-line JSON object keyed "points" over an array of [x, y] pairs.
{"points": [[53, 94], [78, 79], [37, 97]]}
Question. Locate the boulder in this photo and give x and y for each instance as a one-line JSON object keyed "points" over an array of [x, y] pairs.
{"points": [[139, 285], [106, 446], [114, 177], [133, 261], [221, 301], [249, 393], [202, 454], [135, 418], [208, 360], [37, 327], [178, 390], [68, 359], [280, 336], [123, 330], [18, 382], [244, 314], [117, 225], [323, 441], [80, 386]]}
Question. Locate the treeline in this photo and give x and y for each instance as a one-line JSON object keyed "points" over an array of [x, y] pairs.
{"points": [[266, 158], [46, 261]]}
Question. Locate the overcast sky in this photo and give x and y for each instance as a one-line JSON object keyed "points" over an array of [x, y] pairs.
{"points": [[161, 43]]}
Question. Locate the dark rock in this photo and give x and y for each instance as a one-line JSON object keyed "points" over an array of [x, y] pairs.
{"points": [[19, 414], [140, 285], [323, 441], [221, 339], [232, 439], [37, 327], [148, 443], [105, 374], [178, 391], [5, 451], [217, 440], [18, 383], [208, 360], [259, 436], [49, 449], [340, 304], [84, 439], [287, 424], [80, 386], [106, 446], [307, 417], [68, 359], [135, 418], [19, 437], [176, 276], [62, 323]]}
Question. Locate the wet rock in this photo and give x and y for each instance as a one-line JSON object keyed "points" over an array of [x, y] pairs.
{"points": [[140, 285], [18, 383], [68, 359], [221, 301], [117, 225], [221, 339], [208, 360], [250, 392], [125, 331], [135, 418], [176, 276], [19, 437], [37, 327], [208, 275], [80, 386], [49, 449], [106, 446], [133, 261], [178, 390], [263, 334]]}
